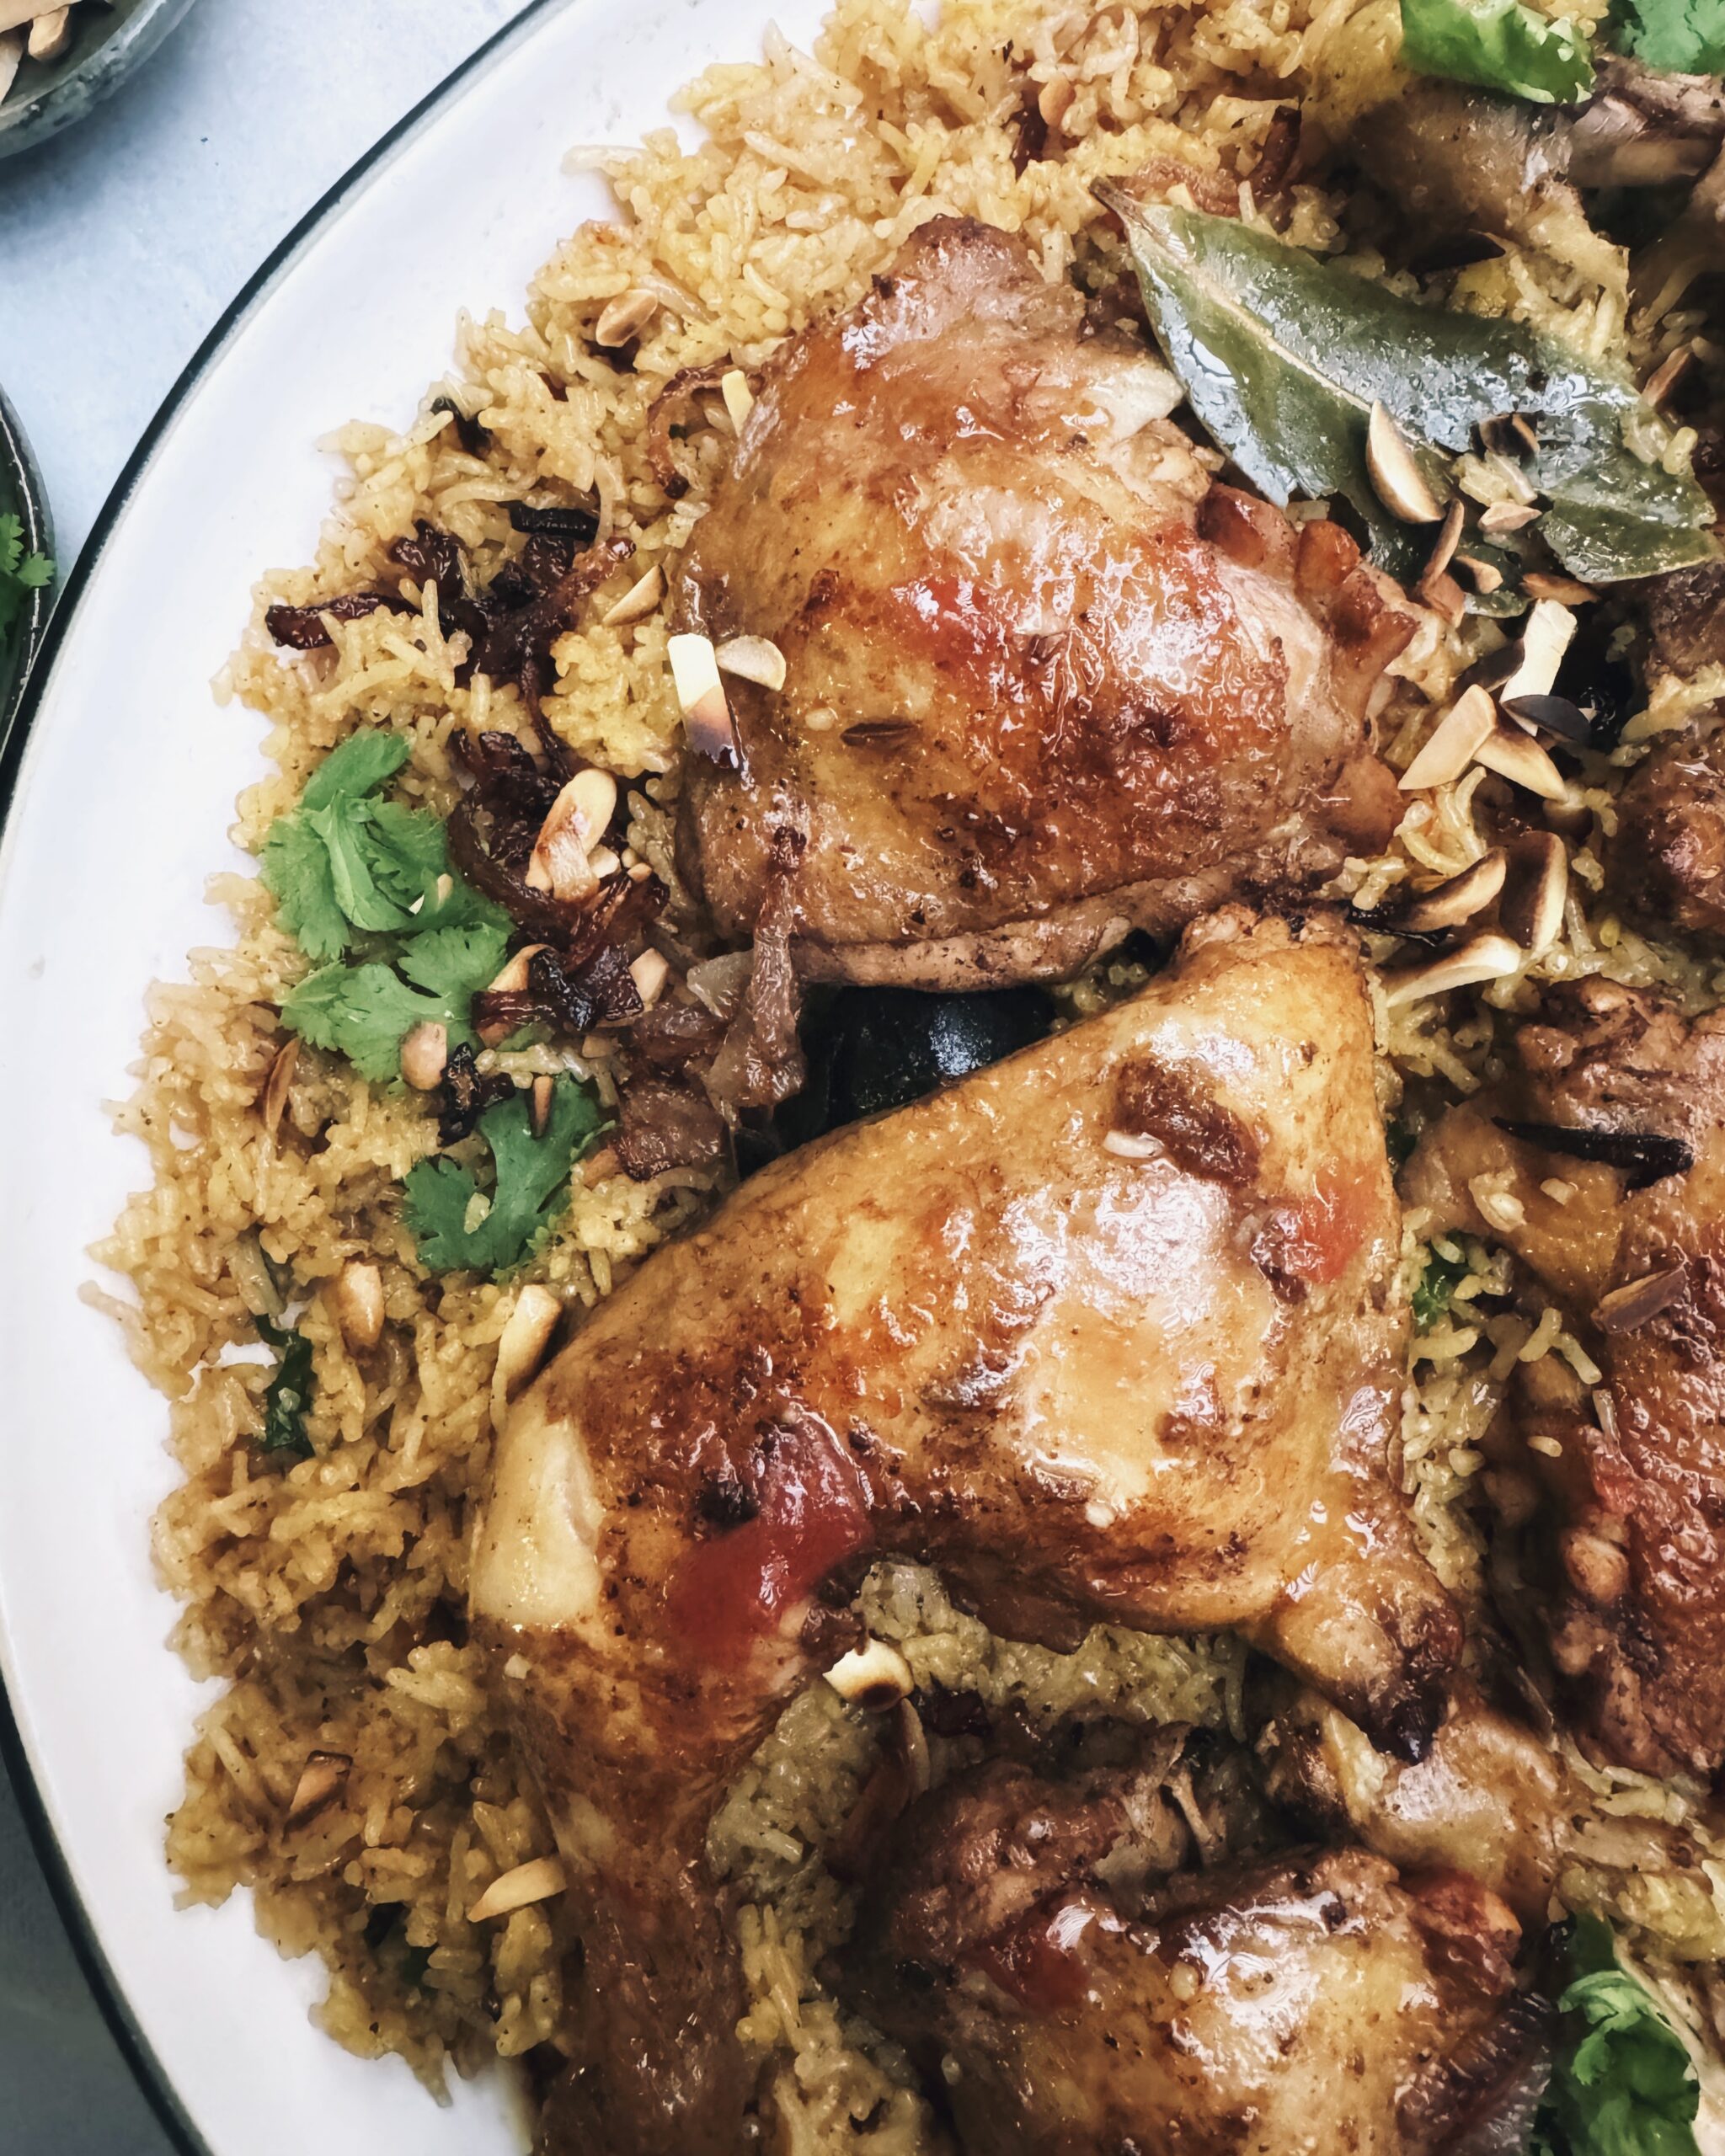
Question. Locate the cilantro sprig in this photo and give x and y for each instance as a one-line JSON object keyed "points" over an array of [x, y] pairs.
{"points": [[289, 1394], [1686, 37], [364, 883], [20, 573], [1626, 2086], [1435, 1288], [460, 1228], [1499, 45]]}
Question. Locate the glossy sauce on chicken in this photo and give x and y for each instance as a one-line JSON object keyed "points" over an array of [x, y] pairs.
{"points": [[1107, 1331], [1043, 682]]}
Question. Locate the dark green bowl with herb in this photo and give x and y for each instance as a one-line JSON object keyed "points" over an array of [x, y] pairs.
{"points": [[26, 542], [107, 41]]}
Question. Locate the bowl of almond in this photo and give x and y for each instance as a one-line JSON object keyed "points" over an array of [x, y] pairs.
{"points": [[59, 58]]}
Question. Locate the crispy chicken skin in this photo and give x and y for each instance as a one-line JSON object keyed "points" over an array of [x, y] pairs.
{"points": [[1304, 2007], [1634, 1499], [1108, 1330], [1043, 683]]}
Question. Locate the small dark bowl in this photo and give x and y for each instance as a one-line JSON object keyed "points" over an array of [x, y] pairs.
{"points": [[21, 496], [107, 43]]}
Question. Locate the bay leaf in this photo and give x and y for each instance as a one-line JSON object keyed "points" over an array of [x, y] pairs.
{"points": [[1282, 356]]}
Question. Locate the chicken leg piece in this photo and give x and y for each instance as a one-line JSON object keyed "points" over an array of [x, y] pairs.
{"points": [[1602, 1162], [1294, 2008], [1043, 683], [1108, 1330]]}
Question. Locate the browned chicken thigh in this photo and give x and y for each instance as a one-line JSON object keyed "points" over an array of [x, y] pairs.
{"points": [[1629, 1471], [1071, 2006], [1106, 1331], [1043, 681]]}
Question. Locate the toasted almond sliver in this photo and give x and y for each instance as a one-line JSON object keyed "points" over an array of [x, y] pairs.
{"points": [[320, 1778], [650, 973], [1637, 1300], [1665, 377], [625, 317], [520, 1348], [513, 977], [1545, 639], [1455, 740], [281, 1078], [1486, 576], [1133, 1145], [1518, 757], [1401, 484], [536, 1881], [639, 601], [51, 34], [873, 1677], [1054, 100], [1532, 911], [753, 658], [1507, 516], [1447, 539], [1448, 903], [599, 1167], [573, 827], [424, 1056], [1488, 956], [739, 398], [359, 1304], [1565, 590], [707, 715]]}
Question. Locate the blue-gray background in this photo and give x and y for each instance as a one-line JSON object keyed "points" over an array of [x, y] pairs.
{"points": [[121, 240]]}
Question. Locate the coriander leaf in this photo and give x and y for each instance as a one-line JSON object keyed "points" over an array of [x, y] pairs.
{"points": [[1436, 1285], [1281, 357], [290, 1391], [1499, 45], [356, 857], [362, 1012], [531, 1187], [355, 767], [1626, 2087], [20, 573], [455, 963], [1682, 37], [294, 867]]}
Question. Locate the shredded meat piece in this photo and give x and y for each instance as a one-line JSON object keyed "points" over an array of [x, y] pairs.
{"points": [[665, 1125], [761, 1061], [304, 628]]}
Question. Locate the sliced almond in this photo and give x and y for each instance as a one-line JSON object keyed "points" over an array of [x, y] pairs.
{"points": [[694, 667], [1054, 100], [739, 398], [513, 978], [1444, 596], [1133, 1145], [624, 318], [873, 1677], [1453, 743], [1401, 484], [570, 833], [275, 1087], [753, 658], [1483, 957], [1447, 539], [650, 973], [1564, 590], [1507, 516], [1485, 576], [1665, 377], [1637, 1300], [639, 601], [1548, 635], [536, 1881], [1532, 911], [521, 1346], [424, 1056], [599, 1167], [540, 1097], [1518, 757], [320, 1779], [1448, 903], [359, 1304], [51, 34]]}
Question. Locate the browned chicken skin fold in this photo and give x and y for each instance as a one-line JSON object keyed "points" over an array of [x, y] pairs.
{"points": [[1626, 1487], [1070, 2007], [1043, 682], [1107, 1332]]}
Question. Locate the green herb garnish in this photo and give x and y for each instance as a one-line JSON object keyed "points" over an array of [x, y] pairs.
{"points": [[1281, 357], [347, 869], [289, 1395], [1684, 37], [456, 1232], [20, 573], [1500, 45], [1435, 1288], [1626, 2087]]}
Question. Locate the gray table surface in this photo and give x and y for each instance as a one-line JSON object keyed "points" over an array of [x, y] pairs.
{"points": [[121, 243]]}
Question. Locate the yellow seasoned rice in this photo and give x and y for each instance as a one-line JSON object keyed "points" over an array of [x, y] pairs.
{"points": [[329, 1598]]}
